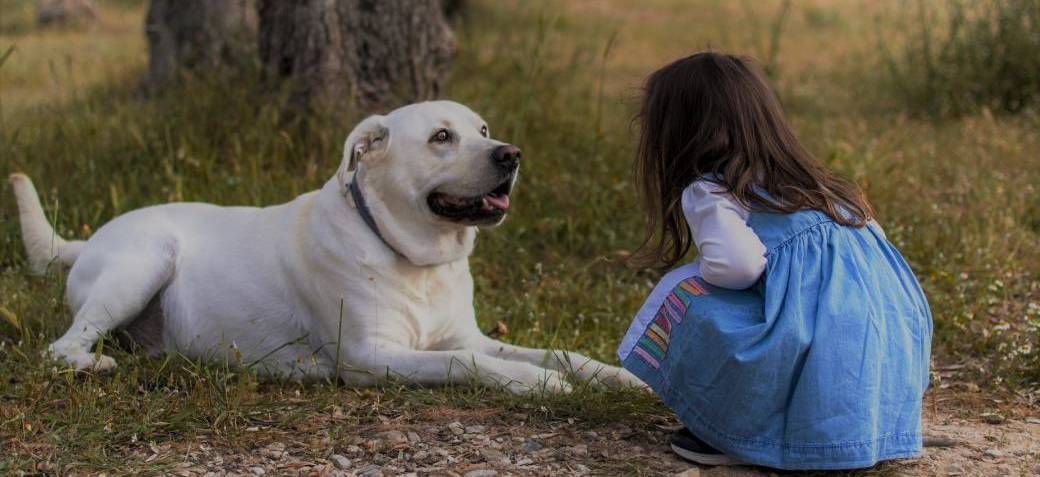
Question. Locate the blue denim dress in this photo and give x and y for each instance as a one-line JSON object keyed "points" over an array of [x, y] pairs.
{"points": [[822, 364]]}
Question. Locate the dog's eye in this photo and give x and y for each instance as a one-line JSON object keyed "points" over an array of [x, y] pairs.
{"points": [[441, 136], [483, 131]]}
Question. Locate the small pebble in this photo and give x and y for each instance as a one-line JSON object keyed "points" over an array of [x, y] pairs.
{"points": [[395, 438], [532, 445], [274, 451], [992, 418], [954, 469], [994, 453], [940, 441], [371, 470], [341, 462], [482, 473], [475, 429], [524, 461], [257, 470], [494, 456], [580, 450]]}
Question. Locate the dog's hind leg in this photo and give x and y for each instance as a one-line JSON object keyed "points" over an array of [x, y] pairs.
{"points": [[118, 287]]}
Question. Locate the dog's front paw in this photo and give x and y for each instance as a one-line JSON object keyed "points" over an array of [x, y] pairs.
{"points": [[104, 364], [85, 361], [554, 383], [545, 381], [619, 378], [91, 362]]}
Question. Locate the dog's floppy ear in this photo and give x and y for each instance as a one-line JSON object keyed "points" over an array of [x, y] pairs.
{"points": [[368, 139]]}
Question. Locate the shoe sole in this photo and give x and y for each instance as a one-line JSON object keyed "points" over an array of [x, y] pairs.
{"points": [[705, 459]]}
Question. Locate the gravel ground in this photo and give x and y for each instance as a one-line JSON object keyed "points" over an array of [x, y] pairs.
{"points": [[485, 443]]}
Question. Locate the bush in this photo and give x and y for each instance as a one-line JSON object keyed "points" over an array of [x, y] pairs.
{"points": [[982, 55]]}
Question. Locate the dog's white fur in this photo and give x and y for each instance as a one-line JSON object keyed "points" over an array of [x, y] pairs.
{"points": [[295, 287]]}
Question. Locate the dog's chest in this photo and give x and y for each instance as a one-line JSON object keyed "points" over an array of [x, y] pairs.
{"points": [[435, 304]]}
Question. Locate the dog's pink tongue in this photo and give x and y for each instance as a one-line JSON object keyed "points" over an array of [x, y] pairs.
{"points": [[499, 202]]}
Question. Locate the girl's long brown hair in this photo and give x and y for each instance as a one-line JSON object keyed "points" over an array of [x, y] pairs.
{"points": [[713, 116]]}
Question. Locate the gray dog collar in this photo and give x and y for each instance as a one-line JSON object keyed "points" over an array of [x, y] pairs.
{"points": [[364, 211]]}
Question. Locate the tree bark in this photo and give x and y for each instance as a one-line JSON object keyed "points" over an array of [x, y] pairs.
{"points": [[186, 35], [453, 8], [376, 54]]}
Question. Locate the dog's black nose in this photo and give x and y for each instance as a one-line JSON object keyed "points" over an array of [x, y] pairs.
{"points": [[506, 156]]}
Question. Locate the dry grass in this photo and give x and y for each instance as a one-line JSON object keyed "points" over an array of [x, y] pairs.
{"points": [[61, 64]]}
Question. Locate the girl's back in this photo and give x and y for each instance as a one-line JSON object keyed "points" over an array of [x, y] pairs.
{"points": [[822, 362]]}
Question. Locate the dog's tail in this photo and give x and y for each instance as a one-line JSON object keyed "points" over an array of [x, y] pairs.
{"points": [[42, 244]]}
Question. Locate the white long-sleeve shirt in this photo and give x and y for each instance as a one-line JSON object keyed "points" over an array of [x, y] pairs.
{"points": [[730, 254]]}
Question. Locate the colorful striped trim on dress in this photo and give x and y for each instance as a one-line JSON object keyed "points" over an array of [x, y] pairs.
{"points": [[653, 345]]}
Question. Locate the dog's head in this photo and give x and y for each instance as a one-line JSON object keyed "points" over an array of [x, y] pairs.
{"points": [[434, 162]]}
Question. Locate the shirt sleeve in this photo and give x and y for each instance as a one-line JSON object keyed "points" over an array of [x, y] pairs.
{"points": [[731, 255]]}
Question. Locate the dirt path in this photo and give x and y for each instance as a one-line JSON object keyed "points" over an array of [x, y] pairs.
{"points": [[485, 443], [998, 447]]}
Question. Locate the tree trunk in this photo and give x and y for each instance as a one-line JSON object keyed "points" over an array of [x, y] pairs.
{"points": [[64, 11], [453, 8], [199, 35], [376, 54]]}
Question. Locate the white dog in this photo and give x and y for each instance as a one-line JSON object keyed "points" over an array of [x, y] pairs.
{"points": [[365, 278]]}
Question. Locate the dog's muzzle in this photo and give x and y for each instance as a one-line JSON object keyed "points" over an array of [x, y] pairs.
{"points": [[506, 157], [481, 209]]}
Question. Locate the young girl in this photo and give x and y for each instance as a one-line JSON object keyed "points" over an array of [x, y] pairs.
{"points": [[798, 338]]}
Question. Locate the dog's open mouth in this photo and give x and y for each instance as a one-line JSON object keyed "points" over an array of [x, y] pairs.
{"points": [[489, 207]]}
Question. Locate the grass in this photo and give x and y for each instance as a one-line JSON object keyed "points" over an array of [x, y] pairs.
{"points": [[959, 197], [967, 56], [60, 64]]}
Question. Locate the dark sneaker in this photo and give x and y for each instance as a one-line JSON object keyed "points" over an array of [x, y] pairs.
{"points": [[689, 447]]}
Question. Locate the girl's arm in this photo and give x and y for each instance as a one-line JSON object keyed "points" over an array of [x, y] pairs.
{"points": [[731, 255]]}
